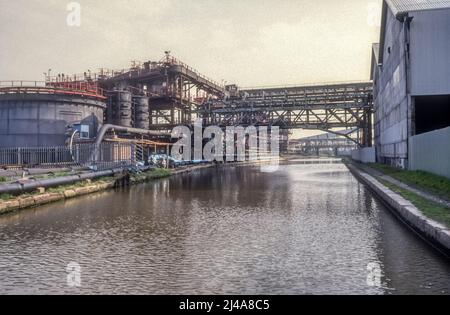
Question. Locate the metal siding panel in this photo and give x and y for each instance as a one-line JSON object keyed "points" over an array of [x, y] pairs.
{"points": [[431, 152], [391, 99], [23, 126], [41, 120], [3, 126], [430, 53]]}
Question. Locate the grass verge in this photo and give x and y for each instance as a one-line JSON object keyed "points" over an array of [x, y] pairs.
{"points": [[434, 184], [430, 209]]}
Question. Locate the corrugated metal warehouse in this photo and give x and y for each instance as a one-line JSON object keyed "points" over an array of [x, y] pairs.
{"points": [[411, 73]]}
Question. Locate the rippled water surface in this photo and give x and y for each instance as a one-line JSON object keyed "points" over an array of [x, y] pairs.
{"points": [[305, 229]]}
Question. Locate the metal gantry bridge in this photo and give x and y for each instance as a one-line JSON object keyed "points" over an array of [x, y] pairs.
{"points": [[323, 107]]}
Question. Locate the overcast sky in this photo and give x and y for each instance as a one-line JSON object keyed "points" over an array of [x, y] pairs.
{"points": [[248, 42]]}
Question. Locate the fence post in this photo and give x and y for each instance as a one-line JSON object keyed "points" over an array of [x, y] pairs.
{"points": [[167, 154], [133, 154]]}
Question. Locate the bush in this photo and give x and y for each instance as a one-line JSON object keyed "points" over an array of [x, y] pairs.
{"points": [[5, 197]]}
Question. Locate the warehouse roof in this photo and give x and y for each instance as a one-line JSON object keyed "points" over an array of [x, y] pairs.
{"points": [[400, 7]]}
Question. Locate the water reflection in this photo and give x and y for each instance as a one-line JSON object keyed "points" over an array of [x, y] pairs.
{"points": [[308, 228]]}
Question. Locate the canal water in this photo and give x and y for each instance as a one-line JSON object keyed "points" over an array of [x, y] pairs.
{"points": [[308, 228]]}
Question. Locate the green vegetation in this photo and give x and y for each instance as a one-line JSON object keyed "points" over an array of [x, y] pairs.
{"points": [[153, 174], [160, 173], [61, 189], [434, 184], [6, 197], [53, 175], [3, 179], [428, 208], [61, 174]]}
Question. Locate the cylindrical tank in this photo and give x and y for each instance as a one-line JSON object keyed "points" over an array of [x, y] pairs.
{"points": [[141, 112], [35, 120], [119, 108]]}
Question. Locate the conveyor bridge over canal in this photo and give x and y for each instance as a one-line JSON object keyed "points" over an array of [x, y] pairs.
{"points": [[323, 107]]}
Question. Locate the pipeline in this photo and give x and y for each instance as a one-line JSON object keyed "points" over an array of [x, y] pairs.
{"points": [[107, 127], [18, 188]]}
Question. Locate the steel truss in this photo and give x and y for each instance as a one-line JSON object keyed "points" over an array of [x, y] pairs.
{"points": [[323, 107]]}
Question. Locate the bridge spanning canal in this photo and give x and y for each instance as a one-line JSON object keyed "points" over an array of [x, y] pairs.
{"points": [[322, 107]]}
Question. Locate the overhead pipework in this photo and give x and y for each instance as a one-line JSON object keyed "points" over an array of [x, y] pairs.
{"points": [[123, 129]]}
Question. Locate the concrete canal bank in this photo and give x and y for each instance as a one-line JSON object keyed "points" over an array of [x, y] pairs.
{"points": [[434, 232], [43, 197]]}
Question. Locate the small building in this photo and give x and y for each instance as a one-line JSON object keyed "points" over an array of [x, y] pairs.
{"points": [[411, 75]]}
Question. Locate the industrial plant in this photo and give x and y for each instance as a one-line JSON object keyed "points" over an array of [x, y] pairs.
{"points": [[142, 104], [190, 185], [71, 110]]}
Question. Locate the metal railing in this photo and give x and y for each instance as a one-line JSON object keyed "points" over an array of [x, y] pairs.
{"points": [[17, 83], [175, 62], [138, 69], [110, 155], [60, 88], [308, 85]]}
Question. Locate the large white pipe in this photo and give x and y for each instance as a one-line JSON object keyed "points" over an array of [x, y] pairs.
{"points": [[107, 127]]}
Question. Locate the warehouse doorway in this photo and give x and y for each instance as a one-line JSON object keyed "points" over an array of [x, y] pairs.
{"points": [[431, 113]]}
